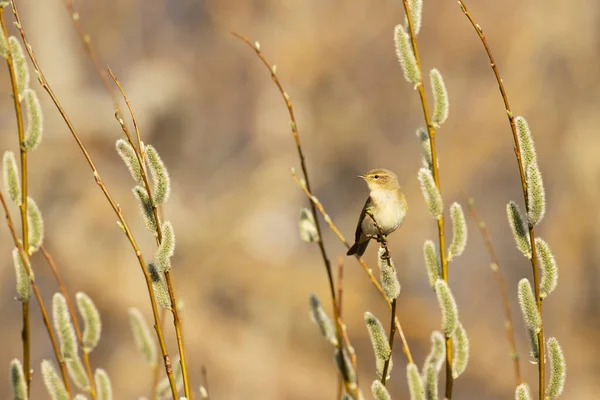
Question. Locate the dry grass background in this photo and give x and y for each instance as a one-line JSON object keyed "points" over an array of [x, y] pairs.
{"points": [[209, 107]]}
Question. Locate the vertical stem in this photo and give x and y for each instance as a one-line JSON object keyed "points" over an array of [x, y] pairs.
{"points": [[436, 178], [391, 339]]}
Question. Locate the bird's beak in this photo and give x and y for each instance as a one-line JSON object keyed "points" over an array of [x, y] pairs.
{"points": [[362, 176]]}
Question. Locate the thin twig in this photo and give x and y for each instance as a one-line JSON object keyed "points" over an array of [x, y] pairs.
{"points": [[362, 263], [294, 128], [63, 290], [340, 292], [436, 178], [28, 270], [510, 335], [169, 279], [26, 333], [517, 151], [156, 371], [116, 208]]}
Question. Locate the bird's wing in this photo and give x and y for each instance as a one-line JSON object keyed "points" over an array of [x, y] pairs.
{"points": [[363, 214]]}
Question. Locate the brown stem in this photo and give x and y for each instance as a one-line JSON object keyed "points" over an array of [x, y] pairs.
{"points": [[510, 335], [436, 178], [27, 265], [517, 150], [65, 293], [156, 372], [109, 198], [340, 292], [24, 189]]}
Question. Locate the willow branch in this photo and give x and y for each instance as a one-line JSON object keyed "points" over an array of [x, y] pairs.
{"points": [[116, 208], [517, 151]]}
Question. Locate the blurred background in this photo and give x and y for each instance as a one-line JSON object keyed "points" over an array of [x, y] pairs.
{"points": [[209, 107]]}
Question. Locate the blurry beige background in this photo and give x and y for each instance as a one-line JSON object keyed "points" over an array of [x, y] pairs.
{"points": [[208, 105]]}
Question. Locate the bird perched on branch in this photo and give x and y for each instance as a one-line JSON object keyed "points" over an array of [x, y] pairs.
{"points": [[386, 203]]}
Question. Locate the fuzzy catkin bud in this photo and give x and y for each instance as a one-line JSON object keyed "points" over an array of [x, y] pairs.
{"points": [[342, 361], [379, 341], [430, 382], [528, 306], [432, 195], [10, 175], [440, 98], [35, 118], [53, 383], [558, 369], [519, 231], [448, 307], [3, 45], [415, 384], [460, 341], [423, 136], [166, 249], [64, 326], [146, 207], [161, 292], [92, 327], [548, 266], [36, 226], [103, 385], [436, 354], [141, 335], [534, 346], [389, 278], [405, 54], [17, 381], [431, 262], [536, 194], [308, 228], [77, 372], [459, 231], [20, 65], [525, 143], [320, 317], [160, 175], [23, 280], [522, 392], [416, 12], [203, 392], [127, 154], [379, 391]]}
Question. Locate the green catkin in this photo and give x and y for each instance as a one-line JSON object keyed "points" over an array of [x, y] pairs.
{"points": [[433, 365], [558, 369], [20, 65], [10, 175], [459, 231], [321, 319], [36, 226], [432, 195], [416, 12], [142, 336], [160, 175], [77, 372], [405, 54], [53, 383], [64, 326], [460, 340], [158, 284], [430, 382], [526, 143], [431, 262], [35, 121], [440, 98], [92, 326], [3, 45], [522, 392], [531, 316], [379, 391], [342, 361], [127, 154], [536, 195], [388, 277], [103, 385], [548, 266], [308, 228], [146, 207], [534, 345], [423, 136], [166, 249], [515, 220], [17, 381], [415, 384], [379, 341], [448, 307], [23, 280]]}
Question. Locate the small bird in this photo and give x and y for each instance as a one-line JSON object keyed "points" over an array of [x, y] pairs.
{"points": [[386, 203]]}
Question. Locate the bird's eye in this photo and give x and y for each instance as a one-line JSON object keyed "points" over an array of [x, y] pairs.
{"points": [[376, 177]]}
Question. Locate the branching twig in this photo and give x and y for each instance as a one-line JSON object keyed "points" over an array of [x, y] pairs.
{"points": [[510, 335], [436, 178], [36, 290], [517, 150], [116, 208]]}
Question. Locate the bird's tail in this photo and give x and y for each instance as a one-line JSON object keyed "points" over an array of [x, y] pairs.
{"points": [[358, 248]]}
